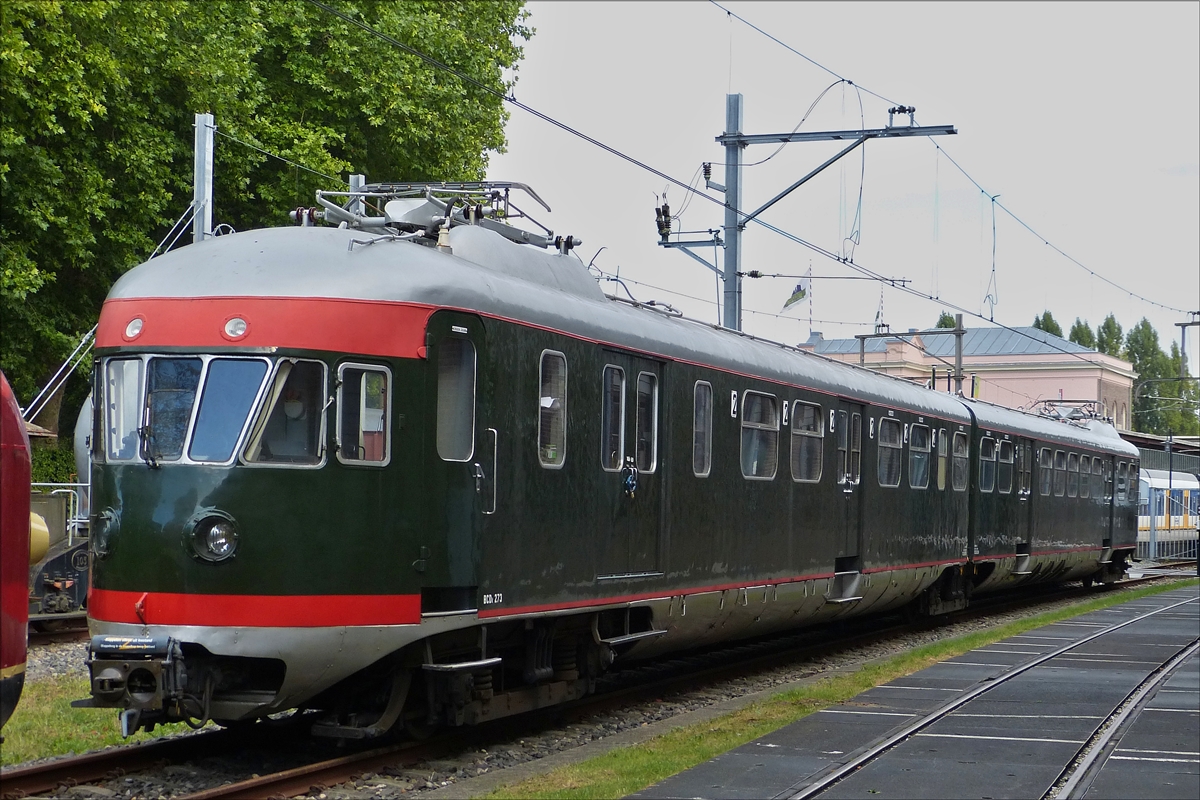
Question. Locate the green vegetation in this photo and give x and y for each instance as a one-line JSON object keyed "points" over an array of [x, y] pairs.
{"points": [[44, 724], [630, 769], [1047, 323], [97, 105], [53, 463]]}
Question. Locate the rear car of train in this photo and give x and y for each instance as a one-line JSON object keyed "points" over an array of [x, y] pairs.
{"points": [[14, 549]]}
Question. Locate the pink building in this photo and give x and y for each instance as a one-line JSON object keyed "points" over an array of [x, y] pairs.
{"points": [[1014, 369]]}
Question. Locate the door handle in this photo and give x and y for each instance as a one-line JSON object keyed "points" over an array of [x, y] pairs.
{"points": [[477, 473]]}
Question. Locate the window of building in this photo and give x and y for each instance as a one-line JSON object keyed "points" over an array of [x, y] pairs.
{"points": [[987, 464], [1073, 475], [552, 410], [808, 430], [943, 449], [290, 428], [1004, 469], [1060, 473], [456, 399], [760, 435], [1085, 471], [889, 451], [702, 430], [961, 465], [612, 431], [646, 452], [918, 456], [364, 408], [1121, 481]]}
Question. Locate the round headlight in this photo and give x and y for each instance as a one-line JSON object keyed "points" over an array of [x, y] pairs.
{"points": [[213, 536], [221, 540], [134, 328], [235, 328]]}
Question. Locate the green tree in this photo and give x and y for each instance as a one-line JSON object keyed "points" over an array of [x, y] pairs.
{"points": [[1110, 337], [1151, 365], [1081, 334], [97, 102], [1046, 323], [1180, 398], [946, 320]]}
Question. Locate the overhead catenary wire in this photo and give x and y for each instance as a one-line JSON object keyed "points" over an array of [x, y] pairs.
{"points": [[848, 261], [960, 168], [268, 153]]}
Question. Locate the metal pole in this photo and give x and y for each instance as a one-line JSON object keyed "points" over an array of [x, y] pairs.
{"points": [[1170, 483], [958, 353], [1153, 554], [356, 203], [733, 201], [202, 176]]}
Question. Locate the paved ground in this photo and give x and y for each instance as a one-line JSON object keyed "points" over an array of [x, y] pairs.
{"points": [[1012, 742]]}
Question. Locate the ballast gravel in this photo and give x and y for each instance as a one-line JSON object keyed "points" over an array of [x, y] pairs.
{"points": [[478, 771]]}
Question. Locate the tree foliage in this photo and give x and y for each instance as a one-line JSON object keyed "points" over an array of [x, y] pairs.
{"points": [[97, 102], [1081, 334], [946, 320], [1109, 337], [1164, 401], [1047, 323]]}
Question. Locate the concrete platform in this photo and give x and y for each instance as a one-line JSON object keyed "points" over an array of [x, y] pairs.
{"points": [[1012, 742]]}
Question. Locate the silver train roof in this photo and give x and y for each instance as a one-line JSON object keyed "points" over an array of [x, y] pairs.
{"points": [[488, 274]]}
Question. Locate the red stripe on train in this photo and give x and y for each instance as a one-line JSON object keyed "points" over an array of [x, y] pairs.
{"points": [[253, 610], [304, 323]]}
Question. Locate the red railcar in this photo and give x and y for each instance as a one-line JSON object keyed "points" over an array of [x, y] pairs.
{"points": [[14, 549]]}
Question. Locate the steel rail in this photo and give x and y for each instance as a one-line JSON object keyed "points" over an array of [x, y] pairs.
{"points": [[1092, 756], [836, 774]]}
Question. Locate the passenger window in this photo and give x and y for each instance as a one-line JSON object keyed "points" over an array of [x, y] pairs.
{"points": [[1133, 480], [889, 452], [918, 457], [807, 443], [612, 430], [290, 428], [1026, 468], [987, 464], [552, 410], [962, 466], [943, 450], [760, 435], [1097, 478], [230, 387], [1045, 472], [122, 407], [171, 385], [1085, 471], [456, 399], [364, 408], [1073, 475], [647, 422], [1060, 473], [1004, 469], [702, 430], [1121, 481]]}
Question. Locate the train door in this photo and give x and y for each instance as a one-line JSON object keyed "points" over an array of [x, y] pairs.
{"points": [[632, 476], [847, 422], [1025, 519], [462, 485]]}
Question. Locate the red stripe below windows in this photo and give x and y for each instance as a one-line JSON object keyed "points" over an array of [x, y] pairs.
{"points": [[303, 323], [252, 610]]}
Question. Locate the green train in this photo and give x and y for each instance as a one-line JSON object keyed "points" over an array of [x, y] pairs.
{"points": [[413, 467]]}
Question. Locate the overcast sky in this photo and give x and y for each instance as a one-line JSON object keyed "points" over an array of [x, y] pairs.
{"points": [[1082, 117]]}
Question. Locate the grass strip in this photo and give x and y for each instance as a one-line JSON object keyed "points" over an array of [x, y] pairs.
{"points": [[44, 724], [625, 770]]}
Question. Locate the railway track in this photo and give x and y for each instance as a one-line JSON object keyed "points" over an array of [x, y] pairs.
{"points": [[622, 688], [1074, 779]]}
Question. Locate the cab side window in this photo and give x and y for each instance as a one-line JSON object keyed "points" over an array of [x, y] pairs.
{"points": [[456, 399], [364, 409], [612, 419]]}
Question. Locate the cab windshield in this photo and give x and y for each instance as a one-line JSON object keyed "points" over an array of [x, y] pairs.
{"points": [[178, 409]]}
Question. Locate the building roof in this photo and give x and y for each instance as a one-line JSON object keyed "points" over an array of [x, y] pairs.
{"points": [[976, 342]]}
